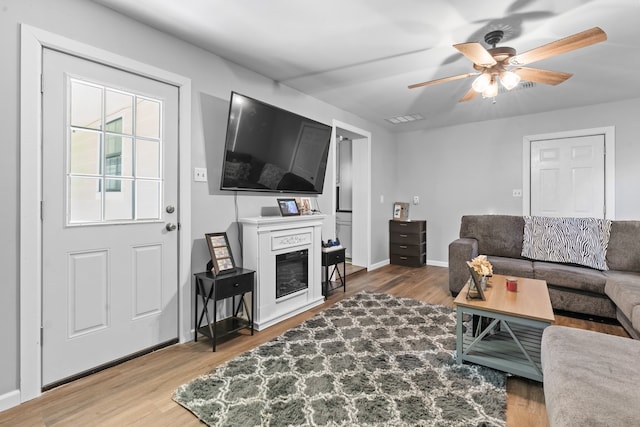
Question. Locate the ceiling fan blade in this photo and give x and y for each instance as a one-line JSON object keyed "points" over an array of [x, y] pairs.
{"points": [[567, 44], [476, 53], [469, 95], [442, 80], [542, 76]]}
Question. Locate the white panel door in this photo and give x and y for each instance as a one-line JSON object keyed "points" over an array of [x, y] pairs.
{"points": [[568, 177], [110, 255]]}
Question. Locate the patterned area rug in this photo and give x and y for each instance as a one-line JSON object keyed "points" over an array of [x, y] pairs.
{"points": [[371, 360]]}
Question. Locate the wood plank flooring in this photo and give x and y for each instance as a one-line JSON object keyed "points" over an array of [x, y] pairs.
{"points": [[138, 392]]}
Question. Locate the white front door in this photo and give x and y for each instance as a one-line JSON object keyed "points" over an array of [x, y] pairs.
{"points": [[110, 180], [568, 176]]}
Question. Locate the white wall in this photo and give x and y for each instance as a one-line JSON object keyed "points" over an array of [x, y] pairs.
{"points": [[473, 168], [212, 79]]}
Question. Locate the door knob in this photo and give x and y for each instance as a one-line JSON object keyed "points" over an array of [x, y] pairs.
{"points": [[170, 209], [171, 226]]}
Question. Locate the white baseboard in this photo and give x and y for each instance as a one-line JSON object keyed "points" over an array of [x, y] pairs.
{"points": [[437, 263], [378, 265], [9, 400]]}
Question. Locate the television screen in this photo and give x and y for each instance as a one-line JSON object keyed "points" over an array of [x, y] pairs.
{"points": [[271, 149]]}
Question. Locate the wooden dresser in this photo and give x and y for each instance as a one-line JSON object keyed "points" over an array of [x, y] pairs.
{"points": [[408, 242]]}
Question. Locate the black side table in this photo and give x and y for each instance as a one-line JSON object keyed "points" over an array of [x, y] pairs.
{"points": [[210, 287], [333, 257]]}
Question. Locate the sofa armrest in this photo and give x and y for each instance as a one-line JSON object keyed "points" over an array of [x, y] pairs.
{"points": [[460, 251]]}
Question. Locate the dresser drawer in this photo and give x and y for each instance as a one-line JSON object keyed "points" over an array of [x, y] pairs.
{"points": [[407, 260], [406, 226], [238, 285], [400, 249], [406, 238]]}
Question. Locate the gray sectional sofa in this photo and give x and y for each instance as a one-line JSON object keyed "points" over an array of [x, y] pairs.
{"points": [[612, 293]]}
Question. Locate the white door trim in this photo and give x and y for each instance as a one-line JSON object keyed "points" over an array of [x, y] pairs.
{"points": [[609, 134], [33, 40], [361, 222]]}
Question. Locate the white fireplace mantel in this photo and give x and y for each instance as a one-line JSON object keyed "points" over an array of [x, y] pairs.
{"points": [[263, 238]]}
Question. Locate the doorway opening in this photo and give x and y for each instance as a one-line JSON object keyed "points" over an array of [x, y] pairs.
{"points": [[352, 202]]}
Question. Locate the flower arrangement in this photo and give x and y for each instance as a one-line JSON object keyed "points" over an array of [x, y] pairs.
{"points": [[482, 266]]}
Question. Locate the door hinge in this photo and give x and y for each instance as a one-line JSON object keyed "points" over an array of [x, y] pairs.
{"points": [[41, 335], [41, 83], [41, 210]]}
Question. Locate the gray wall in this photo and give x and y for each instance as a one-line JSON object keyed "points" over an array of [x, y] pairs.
{"points": [[472, 169], [212, 81]]}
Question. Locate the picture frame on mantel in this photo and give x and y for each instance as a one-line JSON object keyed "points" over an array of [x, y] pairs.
{"points": [[401, 211], [221, 256]]}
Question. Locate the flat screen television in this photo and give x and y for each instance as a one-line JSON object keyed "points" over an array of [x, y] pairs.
{"points": [[271, 149]]}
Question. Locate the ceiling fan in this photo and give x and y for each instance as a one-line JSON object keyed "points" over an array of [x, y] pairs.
{"points": [[504, 65]]}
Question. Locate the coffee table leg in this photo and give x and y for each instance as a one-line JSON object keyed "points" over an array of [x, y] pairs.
{"points": [[459, 341]]}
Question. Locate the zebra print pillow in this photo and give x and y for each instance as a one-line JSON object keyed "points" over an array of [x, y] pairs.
{"points": [[581, 241]]}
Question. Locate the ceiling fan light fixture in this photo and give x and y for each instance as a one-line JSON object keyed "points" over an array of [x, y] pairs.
{"points": [[492, 90], [509, 79], [481, 83]]}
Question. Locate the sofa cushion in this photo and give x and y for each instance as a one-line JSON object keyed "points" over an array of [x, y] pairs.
{"points": [[590, 378], [511, 266], [580, 241], [569, 276], [624, 290], [499, 235], [624, 246]]}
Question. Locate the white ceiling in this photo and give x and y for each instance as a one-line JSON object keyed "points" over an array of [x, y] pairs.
{"points": [[360, 55]]}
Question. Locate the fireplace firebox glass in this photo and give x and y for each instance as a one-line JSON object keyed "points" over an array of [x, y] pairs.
{"points": [[292, 272]]}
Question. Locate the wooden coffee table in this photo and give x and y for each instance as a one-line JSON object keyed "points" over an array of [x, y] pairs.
{"points": [[511, 340]]}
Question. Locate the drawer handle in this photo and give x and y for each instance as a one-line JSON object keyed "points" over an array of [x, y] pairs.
{"points": [[236, 285], [403, 225], [403, 246], [403, 235], [403, 257]]}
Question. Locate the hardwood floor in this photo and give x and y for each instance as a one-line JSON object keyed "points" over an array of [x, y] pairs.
{"points": [[138, 392]]}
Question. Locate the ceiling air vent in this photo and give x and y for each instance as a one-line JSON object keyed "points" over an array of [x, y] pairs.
{"points": [[398, 120]]}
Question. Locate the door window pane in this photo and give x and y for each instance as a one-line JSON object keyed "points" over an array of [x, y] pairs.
{"points": [[111, 178], [84, 152], [86, 203], [148, 118], [86, 105], [119, 106], [147, 159], [118, 204]]}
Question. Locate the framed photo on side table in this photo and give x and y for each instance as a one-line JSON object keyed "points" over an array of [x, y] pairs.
{"points": [[221, 256]]}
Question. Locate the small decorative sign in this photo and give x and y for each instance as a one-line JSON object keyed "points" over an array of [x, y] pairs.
{"points": [[476, 284]]}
